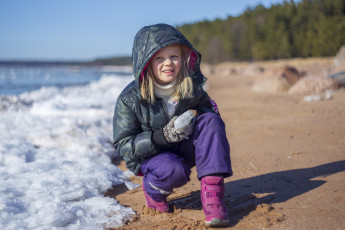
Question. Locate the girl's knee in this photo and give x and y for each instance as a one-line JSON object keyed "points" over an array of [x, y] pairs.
{"points": [[173, 176], [178, 174], [182, 171], [171, 166]]}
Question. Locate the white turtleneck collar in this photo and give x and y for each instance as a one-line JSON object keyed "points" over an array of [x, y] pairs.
{"points": [[164, 91]]}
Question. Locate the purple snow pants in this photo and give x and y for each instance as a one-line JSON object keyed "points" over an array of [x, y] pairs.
{"points": [[208, 149]]}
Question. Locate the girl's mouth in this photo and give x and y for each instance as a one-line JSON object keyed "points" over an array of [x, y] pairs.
{"points": [[168, 71]]}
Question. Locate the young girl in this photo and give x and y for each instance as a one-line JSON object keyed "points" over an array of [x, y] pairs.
{"points": [[168, 82]]}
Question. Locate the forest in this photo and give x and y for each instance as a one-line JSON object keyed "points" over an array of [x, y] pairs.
{"points": [[307, 28]]}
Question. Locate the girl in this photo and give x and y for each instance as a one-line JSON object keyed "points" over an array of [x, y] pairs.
{"points": [[168, 82]]}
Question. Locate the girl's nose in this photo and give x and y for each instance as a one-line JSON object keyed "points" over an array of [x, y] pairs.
{"points": [[167, 61]]}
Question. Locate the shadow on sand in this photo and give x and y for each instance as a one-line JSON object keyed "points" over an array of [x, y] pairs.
{"points": [[245, 195]]}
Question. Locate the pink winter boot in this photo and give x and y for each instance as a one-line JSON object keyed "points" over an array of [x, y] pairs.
{"points": [[162, 206], [212, 194]]}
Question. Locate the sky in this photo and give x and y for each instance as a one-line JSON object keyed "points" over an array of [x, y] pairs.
{"points": [[90, 29]]}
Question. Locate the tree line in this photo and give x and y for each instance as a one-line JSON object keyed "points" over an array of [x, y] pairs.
{"points": [[308, 28]]}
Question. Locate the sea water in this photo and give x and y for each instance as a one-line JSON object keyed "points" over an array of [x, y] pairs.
{"points": [[15, 80], [55, 150]]}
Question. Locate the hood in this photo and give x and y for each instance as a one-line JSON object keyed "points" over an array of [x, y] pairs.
{"points": [[150, 39]]}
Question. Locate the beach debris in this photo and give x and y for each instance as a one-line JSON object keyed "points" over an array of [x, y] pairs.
{"points": [[208, 69], [328, 94], [339, 77], [252, 70], [253, 165], [277, 80], [313, 97], [338, 73], [316, 97], [313, 85], [324, 82], [339, 58]]}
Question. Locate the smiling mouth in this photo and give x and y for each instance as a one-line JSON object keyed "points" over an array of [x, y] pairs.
{"points": [[168, 71]]}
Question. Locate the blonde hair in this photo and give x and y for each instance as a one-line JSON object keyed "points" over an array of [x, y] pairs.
{"points": [[184, 84]]}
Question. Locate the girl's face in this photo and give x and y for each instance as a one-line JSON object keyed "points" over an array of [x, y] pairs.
{"points": [[166, 64]]}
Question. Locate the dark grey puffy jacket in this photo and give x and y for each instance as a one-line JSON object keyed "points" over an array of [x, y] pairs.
{"points": [[136, 121]]}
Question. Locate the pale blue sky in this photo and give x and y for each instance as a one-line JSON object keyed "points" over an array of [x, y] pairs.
{"points": [[88, 29]]}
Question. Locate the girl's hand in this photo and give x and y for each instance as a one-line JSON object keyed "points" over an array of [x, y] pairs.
{"points": [[175, 135]]}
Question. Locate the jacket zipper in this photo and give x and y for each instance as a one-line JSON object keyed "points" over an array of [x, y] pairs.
{"points": [[165, 109], [181, 104]]}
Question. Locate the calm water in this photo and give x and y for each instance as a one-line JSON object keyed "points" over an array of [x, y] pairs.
{"points": [[16, 80]]}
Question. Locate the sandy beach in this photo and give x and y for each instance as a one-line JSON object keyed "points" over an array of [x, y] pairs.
{"points": [[288, 157]]}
